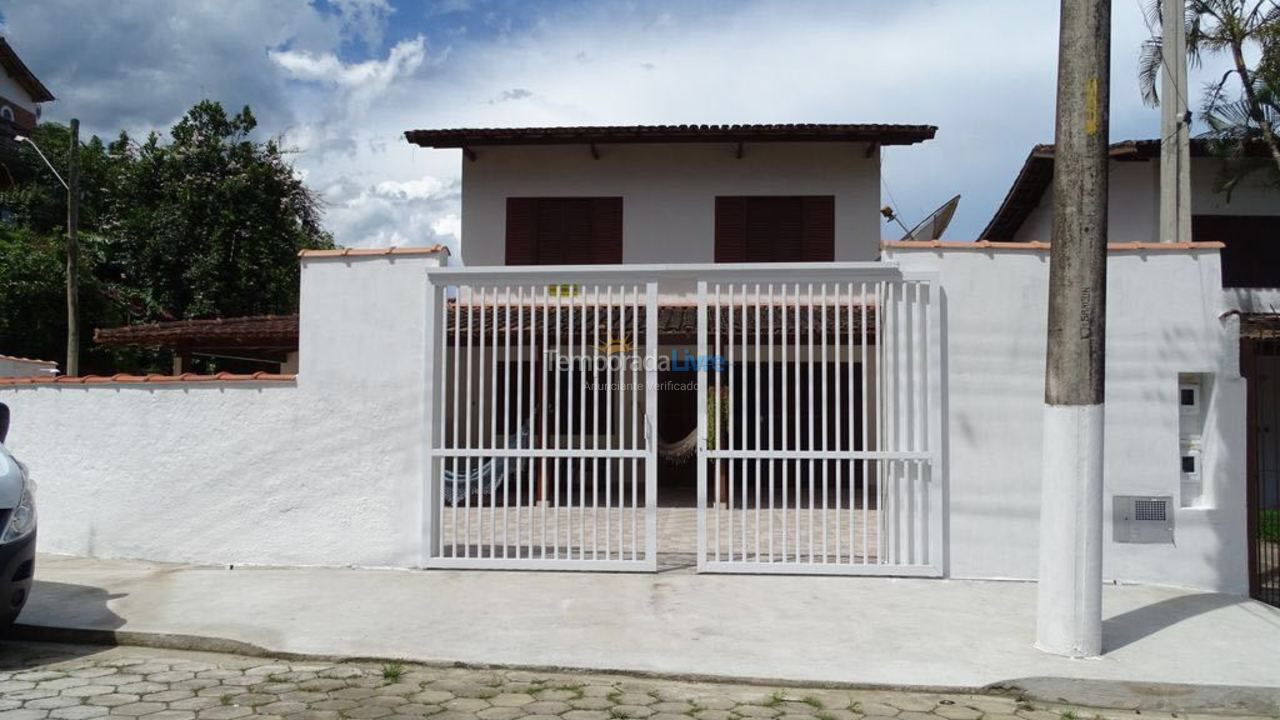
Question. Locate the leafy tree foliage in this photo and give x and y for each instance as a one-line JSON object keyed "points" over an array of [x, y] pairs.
{"points": [[1242, 108], [205, 223]]}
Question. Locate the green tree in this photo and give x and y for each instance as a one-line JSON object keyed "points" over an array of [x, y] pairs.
{"points": [[205, 223], [1242, 108]]}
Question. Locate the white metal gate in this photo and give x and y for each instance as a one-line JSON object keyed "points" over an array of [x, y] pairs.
{"points": [[540, 395], [820, 444]]}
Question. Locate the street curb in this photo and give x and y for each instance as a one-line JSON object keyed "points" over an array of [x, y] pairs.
{"points": [[1063, 693], [202, 643]]}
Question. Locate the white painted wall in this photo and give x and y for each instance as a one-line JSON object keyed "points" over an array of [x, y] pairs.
{"points": [[14, 93], [22, 367], [322, 472], [669, 191], [1162, 319], [1134, 201]]}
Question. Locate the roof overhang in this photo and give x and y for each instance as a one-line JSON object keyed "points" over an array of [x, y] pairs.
{"points": [[466, 138], [272, 334], [22, 75]]}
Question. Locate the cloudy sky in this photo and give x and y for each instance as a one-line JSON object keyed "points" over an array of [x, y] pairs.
{"points": [[340, 80]]}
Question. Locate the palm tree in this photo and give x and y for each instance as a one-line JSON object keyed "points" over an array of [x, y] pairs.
{"points": [[1238, 123]]}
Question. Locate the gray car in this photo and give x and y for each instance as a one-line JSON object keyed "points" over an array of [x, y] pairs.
{"points": [[17, 530]]}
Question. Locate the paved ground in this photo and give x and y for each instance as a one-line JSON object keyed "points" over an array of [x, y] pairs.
{"points": [[869, 631], [60, 682]]}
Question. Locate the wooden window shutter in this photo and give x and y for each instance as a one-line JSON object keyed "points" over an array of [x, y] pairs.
{"points": [[522, 226], [818, 229], [606, 231], [731, 230]]}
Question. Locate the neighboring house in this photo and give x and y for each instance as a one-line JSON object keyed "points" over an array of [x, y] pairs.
{"points": [[21, 94], [683, 342], [265, 341], [11, 366]]}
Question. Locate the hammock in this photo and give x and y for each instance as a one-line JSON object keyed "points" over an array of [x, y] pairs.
{"points": [[489, 475], [680, 451]]}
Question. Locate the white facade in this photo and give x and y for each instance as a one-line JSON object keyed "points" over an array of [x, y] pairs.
{"points": [[16, 94], [668, 191], [1163, 309]]}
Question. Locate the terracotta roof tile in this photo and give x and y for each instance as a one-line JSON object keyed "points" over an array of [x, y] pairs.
{"points": [[123, 379], [356, 252], [279, 331], [33, 361], [1034, 245], [884, 134]]}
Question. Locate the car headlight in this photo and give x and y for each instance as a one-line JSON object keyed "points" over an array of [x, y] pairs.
{"points": [[22, 520]]}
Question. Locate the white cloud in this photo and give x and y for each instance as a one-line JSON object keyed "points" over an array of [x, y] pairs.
{"points": [[370, 76], [983, 71]]}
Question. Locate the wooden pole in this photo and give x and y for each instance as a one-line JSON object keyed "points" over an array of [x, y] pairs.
{"points": [[1175, 128], [1069, 613], [73, 251]]}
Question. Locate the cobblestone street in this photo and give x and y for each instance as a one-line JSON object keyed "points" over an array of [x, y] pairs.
{"points": [[65, 682]]}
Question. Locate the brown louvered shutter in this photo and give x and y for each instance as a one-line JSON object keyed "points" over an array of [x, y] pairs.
{"points": [[731, 230], [522, 227], [775, 229], [564, 231], [818, 234], [606, 231]]}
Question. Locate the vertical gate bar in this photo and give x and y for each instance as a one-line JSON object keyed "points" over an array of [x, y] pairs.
{"points": [[701, 433], [734, 401], [799, 502], [623, 397], [595, 425], [454, 441], [840, 408], [755, 417], [493, 430], [822, 437], [542, 424], [906, 421], [918, 414], [788, 359], [635, 422], [772, 441], [810, 443], [581, 479], [720, 422], [466, 510], [651, 406], [506, 423], [881, 323], [557, 422], [864, 419], [608, 425], [847, 405], [744, 437]]}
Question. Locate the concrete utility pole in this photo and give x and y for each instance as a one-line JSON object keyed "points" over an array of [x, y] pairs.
{"points": [[1175, 127], [1069, 614], [73, 251]]}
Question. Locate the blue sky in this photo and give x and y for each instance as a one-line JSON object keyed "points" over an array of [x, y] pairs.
{"points": [[340, 80]]}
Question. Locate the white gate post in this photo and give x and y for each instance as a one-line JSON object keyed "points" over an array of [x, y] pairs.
{"points": [[428, 546], [650, 425], [701, 435]]}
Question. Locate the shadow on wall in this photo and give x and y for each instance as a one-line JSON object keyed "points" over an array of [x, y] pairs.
{"points": [[63, 611], [1134, 625]]}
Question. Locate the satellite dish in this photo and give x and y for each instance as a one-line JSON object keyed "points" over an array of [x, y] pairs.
{"points": [[932, 227]]}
